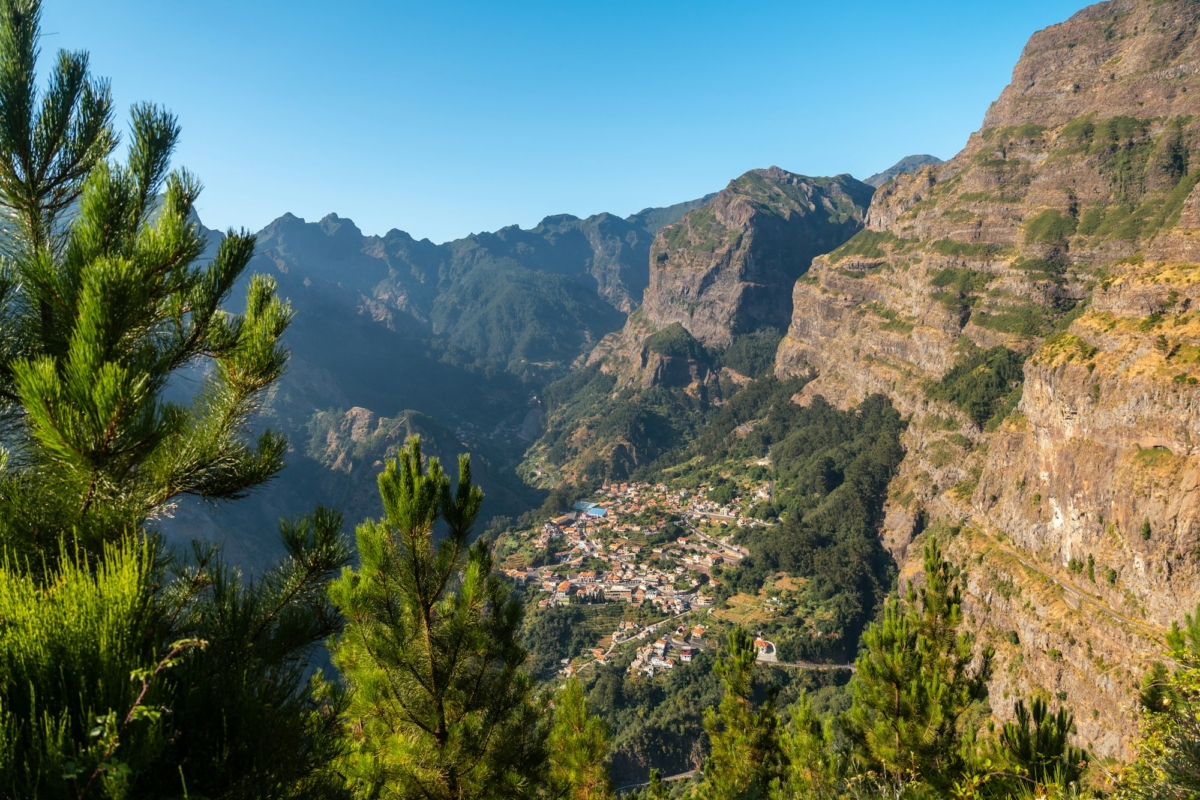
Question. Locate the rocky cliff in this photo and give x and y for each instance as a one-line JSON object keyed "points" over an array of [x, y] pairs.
{"points": [[1064, 235], [716, 304], [726, 269]]}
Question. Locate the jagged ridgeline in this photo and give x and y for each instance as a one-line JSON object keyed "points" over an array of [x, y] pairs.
{"points": [[716, 304], [1031, 305], [395, 336]]}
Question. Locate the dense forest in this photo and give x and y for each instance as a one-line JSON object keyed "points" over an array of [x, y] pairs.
{"points": [[129, 669]]}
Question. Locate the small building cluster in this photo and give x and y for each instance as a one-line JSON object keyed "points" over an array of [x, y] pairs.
{"points": [[598, 551], [666, 651]]}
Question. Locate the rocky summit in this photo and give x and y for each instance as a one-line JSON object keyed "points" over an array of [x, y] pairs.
{"points": [[902, 167], [719, 270], [726, 269]]}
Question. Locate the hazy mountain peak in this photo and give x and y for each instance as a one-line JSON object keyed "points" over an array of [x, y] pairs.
{"points": [[557, 219], [333, 225], [901, 167], [651, 219]]}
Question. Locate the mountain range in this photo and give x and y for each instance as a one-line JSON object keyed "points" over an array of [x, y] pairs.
{"points": [[395, 336]]}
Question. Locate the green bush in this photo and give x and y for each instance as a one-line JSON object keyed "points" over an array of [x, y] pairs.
{"points": [[869, 244], [980, 251], [1050, 227], [753, 354], [963, 281], [1021, 320], [986, 384], [674, 341]]}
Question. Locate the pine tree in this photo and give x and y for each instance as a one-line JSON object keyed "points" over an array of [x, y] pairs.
{"points": [[246, 720], [103, 298], [439, 706], [914, 683], [745, 755], [1167, 765], [578, 748], [100, 310], [657, 789], [810, 757], [1038, 744], [49, 141]]}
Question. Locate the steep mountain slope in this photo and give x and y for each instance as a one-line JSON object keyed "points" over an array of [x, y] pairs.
{"points": [[720, 270], [902, 167], [1064, 239], [717, 301], [725, 269]]}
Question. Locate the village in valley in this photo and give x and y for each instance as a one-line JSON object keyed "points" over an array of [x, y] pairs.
{"points": [[645, 545]]}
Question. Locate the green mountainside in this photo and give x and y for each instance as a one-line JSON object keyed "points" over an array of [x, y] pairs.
{"points": [[808, 488]]}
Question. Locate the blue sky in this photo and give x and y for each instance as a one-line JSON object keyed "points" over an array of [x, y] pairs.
{"points": [[445, 118]]}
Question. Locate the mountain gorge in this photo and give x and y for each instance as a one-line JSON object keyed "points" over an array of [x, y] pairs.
{"points": [[1027, 307], [809, 487], [714, 308]]}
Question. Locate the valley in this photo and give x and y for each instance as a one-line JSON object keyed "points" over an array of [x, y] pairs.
{"points": [[777, 392], [807, 486]]}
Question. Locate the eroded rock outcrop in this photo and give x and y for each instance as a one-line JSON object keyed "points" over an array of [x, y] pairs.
{"points": [[726, 269]]}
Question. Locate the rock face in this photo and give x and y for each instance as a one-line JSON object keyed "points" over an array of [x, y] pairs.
{"points": [[726, 268], [718, 299], [1067, 229]]}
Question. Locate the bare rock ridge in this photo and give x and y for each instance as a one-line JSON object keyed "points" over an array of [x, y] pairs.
{"points": [[1067, 234], [720, 270], [726, 269]]}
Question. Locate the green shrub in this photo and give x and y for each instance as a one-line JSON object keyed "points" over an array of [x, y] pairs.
{"points": [[753, 354], [981, 251], [985, 384], [674, 341], [869, 244], [1091, 220], [1050, 227], [1041, 269], [961, 280]]}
